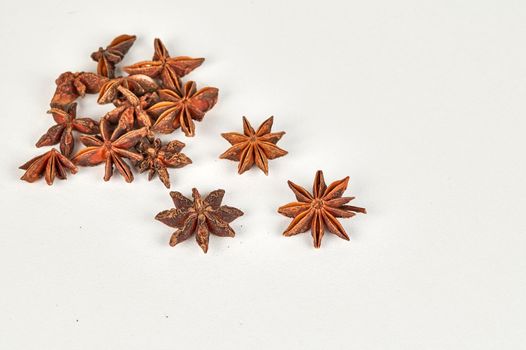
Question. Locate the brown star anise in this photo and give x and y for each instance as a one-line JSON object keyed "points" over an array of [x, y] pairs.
{"points": [[168, 69], [50, 165], [254, 147], [67, 122], [320, 209], [113, 53], [158, 157], [139, 84], [200, 216], [110, 149], [180, 108], [72, 85]]}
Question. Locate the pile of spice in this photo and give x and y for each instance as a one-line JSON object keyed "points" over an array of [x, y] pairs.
{"points": [[153, 99]]}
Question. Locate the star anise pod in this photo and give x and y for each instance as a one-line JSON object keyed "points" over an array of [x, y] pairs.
{"points": [[63, 132], [320, 209], [110, 149], [113, 53], [180, 108], [158, 157], [168, 69], [72, 85], [139, 84], [254, 147], [50, 165], [200, 216]]}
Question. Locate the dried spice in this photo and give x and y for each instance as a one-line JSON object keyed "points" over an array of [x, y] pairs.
{"points": [[50, 165], [110, 149], [168, 69], [200, 216], [158, 157], [130, 112], [320, 209], [181, 108], [138, 84], [113, 53], [70, 86], [254, 147], [63, 132]]}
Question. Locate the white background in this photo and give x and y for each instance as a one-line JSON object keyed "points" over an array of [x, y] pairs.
{"points": [[421, 103]]}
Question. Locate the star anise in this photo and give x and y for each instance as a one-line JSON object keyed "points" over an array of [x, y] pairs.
{"points": [[72, 85], [50, 165], [139, 84], [180, 108], [200, 216], [110, 149], [254, 147], [168, 69], [320, 209], [67, 122], [158, 157], [113, 53]]}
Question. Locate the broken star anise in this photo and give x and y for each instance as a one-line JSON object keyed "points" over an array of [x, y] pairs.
{"points": [[139, 84], [253, 147], [113, 53], [180, 108], [72, 85], [168, 69], [50, 165], [320, 209], [110, 149], [158, 157], [200, 216], [67, 122]]}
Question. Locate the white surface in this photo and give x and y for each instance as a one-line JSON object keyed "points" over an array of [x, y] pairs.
{"points": [[421, 103]]}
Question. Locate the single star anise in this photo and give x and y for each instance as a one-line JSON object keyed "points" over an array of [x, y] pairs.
{"points": [[200, 216], [139, 84], [113, 53], [320, 209], [67, 122], [72, 85], [158, 157], [254, 147], [50, 165], [110, 149], [168, 69], [180, 108]]}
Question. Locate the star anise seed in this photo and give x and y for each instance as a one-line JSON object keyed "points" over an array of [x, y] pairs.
{"points": [[320, 209], [50, 165], [254, 147], [72, 85], [113, 53], [200, 216]]}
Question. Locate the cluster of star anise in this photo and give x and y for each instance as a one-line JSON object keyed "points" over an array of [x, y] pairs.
{"points": [[150, 99]]}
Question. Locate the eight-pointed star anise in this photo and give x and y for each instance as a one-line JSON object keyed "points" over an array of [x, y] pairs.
{"points": [[254, 147], [168, 69], [110, 149], [113, 53], [50, 165], [158, 157], [181, 108], [139, 84], [72, 85], [67, 122], [320, 209], [200, 216]]}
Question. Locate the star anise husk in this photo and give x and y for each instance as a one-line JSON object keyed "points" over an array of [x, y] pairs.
{"points": [[139, 84], [49, 165], [199, 216], [110, 149], [320, 209], [67, 121], [168, 69], [254, 147], [113, 53], [179, 108], [70, 86], [158, 157]]}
